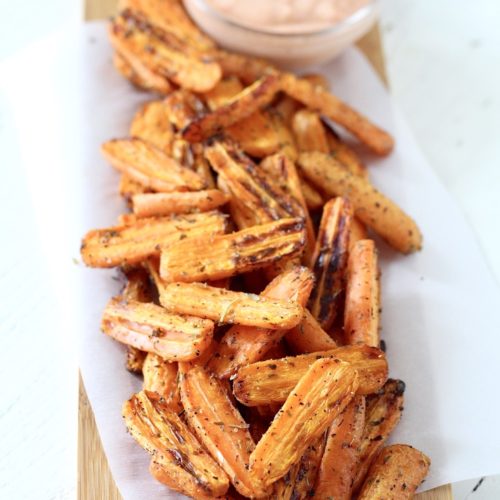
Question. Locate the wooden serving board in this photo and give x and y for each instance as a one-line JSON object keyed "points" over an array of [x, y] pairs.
{"points": [[94, 477]]}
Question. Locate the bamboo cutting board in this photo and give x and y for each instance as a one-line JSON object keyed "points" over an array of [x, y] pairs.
{"points": [[94, 477]]}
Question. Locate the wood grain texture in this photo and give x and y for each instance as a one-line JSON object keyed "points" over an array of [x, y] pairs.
{"points": [[94, 477]]}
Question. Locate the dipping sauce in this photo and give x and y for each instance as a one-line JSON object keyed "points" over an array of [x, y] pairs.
{"points": [[287, 16]]}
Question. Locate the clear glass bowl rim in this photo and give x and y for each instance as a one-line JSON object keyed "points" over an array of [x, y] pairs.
{"points": [[353, 19]]}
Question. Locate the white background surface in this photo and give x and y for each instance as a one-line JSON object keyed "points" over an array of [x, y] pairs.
{"points": [[443, 59]]}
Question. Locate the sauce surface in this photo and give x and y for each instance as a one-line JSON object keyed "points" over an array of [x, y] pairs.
{"points": [[287, 16]]}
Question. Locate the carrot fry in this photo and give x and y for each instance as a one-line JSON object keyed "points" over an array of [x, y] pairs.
{"points": [[128, 187], [251, 185], [228, 307], [132, 243], [284, 172], [383, 412], [309, 132], [371, 206], [318, 99], [344, 154], [317, 79], [243, 345], [151, 124], [236, 253], [171, 16], [219, 426], [358, 232], [329, 261], [396, 474], [191, 156], [299, 481], [131, 67], [308, 336], [160, 376], [317, 399], [314, 199], [286, 140], [362, 301], [271, 381], [191, 470], [149, 166], [135, 359], [247, 69], [150, 328], [163, 52], [154, 204], [242, 105], [340, 458], [223, 92], [181, 107]]}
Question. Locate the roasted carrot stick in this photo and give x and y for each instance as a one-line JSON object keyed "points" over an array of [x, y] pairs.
{"points": [[383, 412], [287, 145], [236, 253], [160, 376], [251, 185], [340, 458], [329, 261], [396, 474], [318, 398], [191, 470], [309, 132], [223, 92], [318, 99], [150, 328], [284, 172], [242, 345], [162, 52], [132, 243], [308, 336], [362, 301], [370, 206], [219, 426], [151, 124], [272, 381], [128, 187], [154, 204], [228, 307], [150, 166], [242, 105]]}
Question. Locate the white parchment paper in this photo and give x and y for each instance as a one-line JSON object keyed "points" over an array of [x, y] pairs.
{"points": [[440, 306]]}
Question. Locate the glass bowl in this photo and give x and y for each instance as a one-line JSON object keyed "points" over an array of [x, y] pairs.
{"points": [[287, 50]]}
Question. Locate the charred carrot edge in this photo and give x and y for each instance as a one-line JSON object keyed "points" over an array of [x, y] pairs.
{"points": [[191, 156], [165, 436], [163, 52], [171, 16], [318, 99], [272, 381], [320, 395], [218, 425], [236, 253], [383, 412], [362, 301], [249, 100], [150, 166], [157, 204], [370, 206], [228, 307], [329, 261], [396, 473], [344, 154], [150, 328], [241, 214], [151, 124], [340, 458], [284, 172], [132, 243], [130, 67], [308, 336], [358, 232], [251, 185], [309, 132], [160, 376], [242, 345]]}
